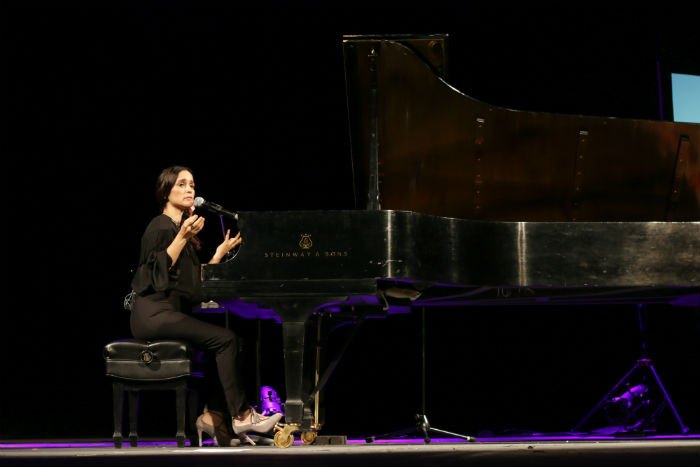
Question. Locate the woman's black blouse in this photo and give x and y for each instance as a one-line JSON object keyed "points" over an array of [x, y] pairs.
{"points": [[154, 273]]}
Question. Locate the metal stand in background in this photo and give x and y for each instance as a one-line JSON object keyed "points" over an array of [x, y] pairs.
{"points": [[626, 408], [422, 425]]}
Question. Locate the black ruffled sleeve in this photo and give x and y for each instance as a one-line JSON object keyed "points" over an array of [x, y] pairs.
{"points": [[154, 273]]}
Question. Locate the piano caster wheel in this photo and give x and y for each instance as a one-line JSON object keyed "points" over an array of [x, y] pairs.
{"points": [[309, 437], [283, 439], [285, 435]]}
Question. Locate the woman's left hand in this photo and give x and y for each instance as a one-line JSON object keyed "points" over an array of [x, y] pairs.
{"points": [[227, 245]]}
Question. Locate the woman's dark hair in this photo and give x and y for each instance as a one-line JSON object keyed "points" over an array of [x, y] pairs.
{"points": [[164, 185]]}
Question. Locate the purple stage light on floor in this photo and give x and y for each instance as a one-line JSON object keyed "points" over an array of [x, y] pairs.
{"points": [[537, 437], [623, 409], [54, 445], [87, 444], [270, 403]]}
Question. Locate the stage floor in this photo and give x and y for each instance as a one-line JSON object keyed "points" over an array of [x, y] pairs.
{"points": [[537, 450]]}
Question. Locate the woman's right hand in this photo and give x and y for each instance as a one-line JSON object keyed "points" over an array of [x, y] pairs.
{"points": [[192, 226]]}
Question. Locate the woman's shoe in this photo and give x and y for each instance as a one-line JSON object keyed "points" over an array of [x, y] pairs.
{"points": [[255, 422], [218, 433]]}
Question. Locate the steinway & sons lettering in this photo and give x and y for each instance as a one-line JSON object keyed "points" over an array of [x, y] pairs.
{"points": [[305, 254], [305, 243]]}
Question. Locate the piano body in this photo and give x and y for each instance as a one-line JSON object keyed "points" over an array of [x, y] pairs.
{"points": [[459, 202]]}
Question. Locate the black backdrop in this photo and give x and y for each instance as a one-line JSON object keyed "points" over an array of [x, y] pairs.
{"points": [[100, 98]]}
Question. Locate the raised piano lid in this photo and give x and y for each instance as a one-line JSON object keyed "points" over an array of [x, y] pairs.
{"points": [[419, 144], [454, 191]]}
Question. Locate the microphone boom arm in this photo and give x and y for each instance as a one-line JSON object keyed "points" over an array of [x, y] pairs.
{"points": [[199, 202]]}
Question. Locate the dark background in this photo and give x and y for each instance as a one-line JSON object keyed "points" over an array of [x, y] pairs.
{"points": [[99, 99]]}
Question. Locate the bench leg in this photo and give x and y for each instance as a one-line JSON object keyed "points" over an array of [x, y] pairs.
{"points": [[192, 403], [117, 406], [180, 391], [133, 417], [185, 406]]}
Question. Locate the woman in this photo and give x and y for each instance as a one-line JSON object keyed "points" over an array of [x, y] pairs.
{"points": [[167, 284]]}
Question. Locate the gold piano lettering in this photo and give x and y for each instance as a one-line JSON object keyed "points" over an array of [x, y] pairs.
{"points": [[305, 254], [336, 253]]}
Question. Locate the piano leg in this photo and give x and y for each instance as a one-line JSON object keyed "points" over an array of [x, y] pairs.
{"points": [[294, 313], [293, 338]]}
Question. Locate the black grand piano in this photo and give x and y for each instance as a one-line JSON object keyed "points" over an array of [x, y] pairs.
{"points": [[460, 202]]}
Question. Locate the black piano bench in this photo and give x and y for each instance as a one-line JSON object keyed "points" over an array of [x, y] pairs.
{"points": [[166, 364]]}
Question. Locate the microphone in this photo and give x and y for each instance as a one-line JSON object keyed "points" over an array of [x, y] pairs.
{"points": [[199, 202]]}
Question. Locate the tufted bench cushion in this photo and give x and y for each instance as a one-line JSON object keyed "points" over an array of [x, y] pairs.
{"points": [[158, 360]]}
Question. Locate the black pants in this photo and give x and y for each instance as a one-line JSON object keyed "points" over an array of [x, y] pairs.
{"points": [[158, 316]]}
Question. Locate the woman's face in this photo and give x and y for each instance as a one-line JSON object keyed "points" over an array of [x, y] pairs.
{"points": [[182, 193]]}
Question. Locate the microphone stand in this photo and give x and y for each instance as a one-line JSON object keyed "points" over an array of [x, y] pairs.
{"points": [[258, 346], [643, 366], [422, 425]]}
